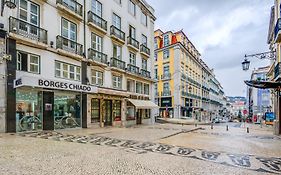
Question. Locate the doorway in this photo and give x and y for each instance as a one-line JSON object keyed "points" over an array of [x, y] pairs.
{"points": [[107, 112], [139, 116]]}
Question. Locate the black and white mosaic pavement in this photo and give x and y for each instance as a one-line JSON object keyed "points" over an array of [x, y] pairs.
{"points": [[250, 162]]}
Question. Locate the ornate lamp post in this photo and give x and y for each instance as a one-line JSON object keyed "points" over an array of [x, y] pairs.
{"points": [[10, 3], [265, 55]]}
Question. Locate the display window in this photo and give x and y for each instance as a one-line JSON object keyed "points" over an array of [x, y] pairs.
{"points": [[28, 110], [95, 110], [117, 110], [67, 110]]}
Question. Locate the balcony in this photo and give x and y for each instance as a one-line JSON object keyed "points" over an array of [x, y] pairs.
{"points": [[133, 43], [133, 69], [97, 22], [71, 7], [145, 73], [114, 62], [117, 34], [166, 93], [277, 29], [166, 76], [69, 48], [183, 76], [27, 33], [277, 71], [97, 56], [144, 50]]}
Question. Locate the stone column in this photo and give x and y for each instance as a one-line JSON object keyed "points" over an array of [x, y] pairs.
{"points": [[123, 112]]}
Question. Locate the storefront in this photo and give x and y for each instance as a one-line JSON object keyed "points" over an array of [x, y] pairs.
{"points": [[48, 104], [166, 110]]}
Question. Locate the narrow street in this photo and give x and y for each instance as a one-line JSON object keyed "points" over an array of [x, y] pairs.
{"points": [[157, 149]]}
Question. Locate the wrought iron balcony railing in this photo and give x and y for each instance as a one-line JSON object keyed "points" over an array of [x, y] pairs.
{"points": [[27, 30], [117, 33], [144, 49], [69, 45], [72, 5], [133, 69], [97, 56], [166, 76], [145, 73], [132, 42], [100, 22], [114, 62], [166, 93]]}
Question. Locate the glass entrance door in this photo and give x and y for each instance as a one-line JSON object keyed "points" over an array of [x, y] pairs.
{"points": [[107, 112]]}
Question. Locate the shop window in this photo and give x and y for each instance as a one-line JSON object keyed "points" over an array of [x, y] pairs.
{"points": [[28, 62], [146, 114], [130, 113], [67, 71], [117, 110], [116, 81], [146, 89], [28, 110], [97, 78], [95, 110], [67, 110]]}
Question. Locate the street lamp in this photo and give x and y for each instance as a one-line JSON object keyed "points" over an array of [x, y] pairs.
{"points": [[10, 3], [245, 64], [265, 55]]}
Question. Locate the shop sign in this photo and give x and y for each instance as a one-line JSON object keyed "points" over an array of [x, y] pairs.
{"points": [[53, 84], [166, 102]]}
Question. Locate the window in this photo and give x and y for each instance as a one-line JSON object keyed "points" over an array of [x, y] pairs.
{"points": [[116, 81], [117, 110], [166, 69], [132, 8], [146, 89], [95, 110], [69, 30], [97, 78], [156, 89], [117, 52], [144, 64], [116, 21], [156, 73], [166, 87], [97, 42], [97, 8], [144, 39], [67, 71], [132, 58], [138, 87], [143, 19], [155, 56], [166, 40], [132, 32], [166, 54], [155, 43], [28, 62], [29, 12]]}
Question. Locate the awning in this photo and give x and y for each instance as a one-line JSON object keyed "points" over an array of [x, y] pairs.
{"points": [[264, 84], [143, 104]]}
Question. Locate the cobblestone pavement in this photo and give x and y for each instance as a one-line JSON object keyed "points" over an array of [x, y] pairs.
{"points": [[168, 149]]}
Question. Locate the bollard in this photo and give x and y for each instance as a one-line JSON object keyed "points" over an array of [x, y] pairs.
{"points": [[195, 124], [181, 124], [212, 126], [248, 130], [226, 127]]}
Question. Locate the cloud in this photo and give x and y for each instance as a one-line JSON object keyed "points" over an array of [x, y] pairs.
{"points": [[223, 31]]}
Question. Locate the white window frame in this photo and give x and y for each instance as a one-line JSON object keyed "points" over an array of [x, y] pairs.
{"points": [[166, 40], [144, 64], [166, 54], [132, 57], [144, 39], [29, 55], [117, 82], [97, 42], [97, 77], [118, 52], [62, 65], [97, 8], [68, 29], [144, 19], [29, 13], [116, 21], [132, 8]]}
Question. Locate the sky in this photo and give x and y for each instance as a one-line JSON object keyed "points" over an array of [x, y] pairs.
{"points": [[223, 31]]}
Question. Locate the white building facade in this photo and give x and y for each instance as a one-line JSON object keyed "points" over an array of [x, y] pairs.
{"points": [[77, 64]]}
